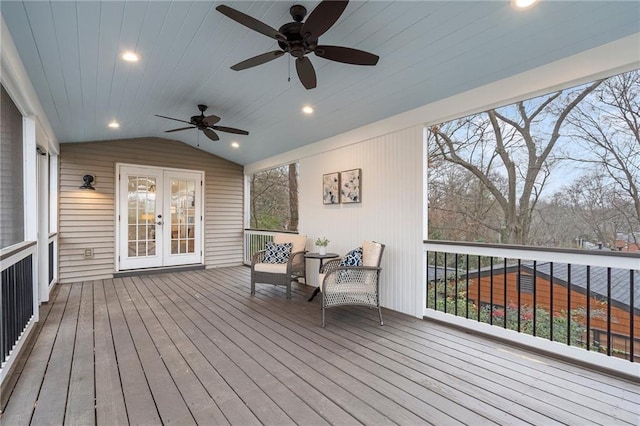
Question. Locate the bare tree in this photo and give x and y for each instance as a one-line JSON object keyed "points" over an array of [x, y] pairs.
{"points": [[274, 198], [592, 202], [269, 199], [606, 125], [511, 145]]}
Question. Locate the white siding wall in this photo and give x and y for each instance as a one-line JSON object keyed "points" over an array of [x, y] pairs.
{"points": [[87, 218], [390, 211]]}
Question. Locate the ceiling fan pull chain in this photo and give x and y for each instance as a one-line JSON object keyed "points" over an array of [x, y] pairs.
{"points": [[289, 63]]}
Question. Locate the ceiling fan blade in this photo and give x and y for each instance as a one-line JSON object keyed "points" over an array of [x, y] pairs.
{"points": [[250, 22], [171, 118], [257, 60], [211, 134], [210, 120], [322, 18], [230, 130], [346, 55], [177, 130], [306, 73]]}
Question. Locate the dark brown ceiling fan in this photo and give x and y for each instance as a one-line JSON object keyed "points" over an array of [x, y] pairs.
{"points": [[205, 124], [300, 38]]}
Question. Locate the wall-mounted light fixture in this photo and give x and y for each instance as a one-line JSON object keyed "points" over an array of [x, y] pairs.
{"points": [[88, 180]]}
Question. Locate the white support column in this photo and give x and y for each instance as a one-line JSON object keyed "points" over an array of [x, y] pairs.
{"points": [[30, 187], [247, 201], [30, 179], [54, 161], [421, 295], [43, 228]]}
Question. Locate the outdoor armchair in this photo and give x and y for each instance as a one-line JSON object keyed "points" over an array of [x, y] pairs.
{"points": [[291, 269], [353, 285]]}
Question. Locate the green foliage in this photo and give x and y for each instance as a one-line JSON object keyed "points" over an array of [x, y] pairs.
{"points": [[444, 297], [322, 242]]}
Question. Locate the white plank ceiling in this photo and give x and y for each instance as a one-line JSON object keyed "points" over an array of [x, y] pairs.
{"points": [[429, 50]]}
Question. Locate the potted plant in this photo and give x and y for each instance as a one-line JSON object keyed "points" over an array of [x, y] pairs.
{"points": [[322, 244]]}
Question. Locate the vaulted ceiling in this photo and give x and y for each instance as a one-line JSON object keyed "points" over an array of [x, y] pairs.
{"points": [[428, 50]]}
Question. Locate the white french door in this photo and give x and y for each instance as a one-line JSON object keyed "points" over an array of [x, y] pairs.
{"points": [[159, 217]]}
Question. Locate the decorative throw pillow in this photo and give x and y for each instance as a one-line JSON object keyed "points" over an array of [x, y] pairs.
{"points": [[353, 258], [277, 253]]}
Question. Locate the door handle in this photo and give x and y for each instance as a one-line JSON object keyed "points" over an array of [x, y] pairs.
{"points": [[158, 223]]}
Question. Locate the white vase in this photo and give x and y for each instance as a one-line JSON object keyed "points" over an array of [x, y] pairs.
{"points": [[322, 250]]}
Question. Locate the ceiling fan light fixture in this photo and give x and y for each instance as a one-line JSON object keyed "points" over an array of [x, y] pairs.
{"points": [[130, 56], [524, 4], [113, 124], [299, 39], [307, 109], [235, 145]]}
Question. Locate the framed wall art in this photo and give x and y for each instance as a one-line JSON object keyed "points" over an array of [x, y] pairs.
{"points": [[350, 186], [331, 188]]}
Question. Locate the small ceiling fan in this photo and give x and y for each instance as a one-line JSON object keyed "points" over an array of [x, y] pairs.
{"points": [[205, 124], [300, 38]]}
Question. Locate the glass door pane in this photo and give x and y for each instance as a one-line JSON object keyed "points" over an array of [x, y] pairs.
{"points": [[183, 216], [142, 210]]}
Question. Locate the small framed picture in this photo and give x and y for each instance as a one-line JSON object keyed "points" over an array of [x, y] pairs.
{"points": [[350, 186], [331, 188]]}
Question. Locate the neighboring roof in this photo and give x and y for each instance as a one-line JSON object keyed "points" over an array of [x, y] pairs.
{"points": [[439, 272], [620, 284], [620, 279]]}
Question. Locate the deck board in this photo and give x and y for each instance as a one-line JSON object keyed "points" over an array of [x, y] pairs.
{"points": [[110, 405], [398, 406], [195, 348], [22, 402], [380, 366], [208, 338], [200, 403], [168, 400], [141, 407], [257, 368], [80, 408], [52, 399], [231, 406]]}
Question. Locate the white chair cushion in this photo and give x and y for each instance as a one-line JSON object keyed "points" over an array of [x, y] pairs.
{"points": [[371, 253], [299, 241], [272, 268]]}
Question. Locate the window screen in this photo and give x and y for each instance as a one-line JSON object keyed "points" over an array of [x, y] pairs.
{"points": [[11, 175]]}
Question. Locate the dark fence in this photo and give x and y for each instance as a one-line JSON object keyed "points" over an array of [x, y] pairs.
{"points": [[16, 302], [596, 308]]}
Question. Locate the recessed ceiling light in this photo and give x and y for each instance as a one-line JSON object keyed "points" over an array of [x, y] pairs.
{"points": [[307, 109], [130, 56], [524, 4], [235, 145], [114, 124]]}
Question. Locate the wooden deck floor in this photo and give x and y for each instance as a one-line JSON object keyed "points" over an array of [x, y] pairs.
{"points": [[196, 348]]}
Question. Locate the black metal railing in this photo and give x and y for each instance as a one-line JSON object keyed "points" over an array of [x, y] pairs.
{"points": [[16, 302], [51, 265], [593, 307]]}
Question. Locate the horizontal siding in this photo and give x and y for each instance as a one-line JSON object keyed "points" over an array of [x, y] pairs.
{"points": [[87, 218]]}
